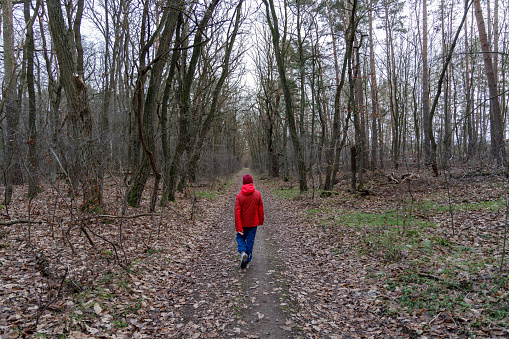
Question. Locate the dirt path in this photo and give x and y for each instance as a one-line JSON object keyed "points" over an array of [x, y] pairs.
{"points": [[262, 284], [242, 303]]}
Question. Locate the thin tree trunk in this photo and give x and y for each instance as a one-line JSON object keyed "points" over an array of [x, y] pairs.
{"points": [[10, 98], [439, 89], [200, 138], [146, 130], [426, 121], [32, 109], [447, 135], [375, 107], [55, 98], [335, 146], [356, 102], [469, 106]]}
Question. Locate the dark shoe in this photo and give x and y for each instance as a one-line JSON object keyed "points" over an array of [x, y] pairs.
{"points": [[243, 260]]}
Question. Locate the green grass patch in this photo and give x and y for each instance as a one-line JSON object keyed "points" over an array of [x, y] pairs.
{"points": [[287, 193], [435, 207], [120, 323], [206, 194]]}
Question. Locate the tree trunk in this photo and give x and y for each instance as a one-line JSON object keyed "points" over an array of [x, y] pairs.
{"points": [[32, 109], [425, 87], [497, 137], [375, 107], [146, 125], [214, 107], [165, 145], [55, 98], [335, 146], [439, 90], [10, 99], [447, 134], [356, 100]]}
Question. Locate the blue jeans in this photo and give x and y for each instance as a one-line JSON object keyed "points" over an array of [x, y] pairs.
{"points": [[245, 242]]}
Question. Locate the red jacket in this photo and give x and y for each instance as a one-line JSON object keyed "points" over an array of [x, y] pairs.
{"points": [[248, 208]]}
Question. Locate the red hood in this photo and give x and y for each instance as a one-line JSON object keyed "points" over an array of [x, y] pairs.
{"points": [[247, 189]]}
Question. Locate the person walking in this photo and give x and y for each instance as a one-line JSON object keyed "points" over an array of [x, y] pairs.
{"points": [[248, 216]]}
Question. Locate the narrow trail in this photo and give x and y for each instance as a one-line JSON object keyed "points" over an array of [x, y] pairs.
{"points": [[243, 303], [262, 285]]}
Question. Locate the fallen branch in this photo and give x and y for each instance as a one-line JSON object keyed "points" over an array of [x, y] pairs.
{"points": [[19, 221], [125, 216]]}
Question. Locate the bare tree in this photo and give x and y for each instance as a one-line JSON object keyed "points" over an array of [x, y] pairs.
{"points": [[145, 124], [79, 117], [289, 108]]}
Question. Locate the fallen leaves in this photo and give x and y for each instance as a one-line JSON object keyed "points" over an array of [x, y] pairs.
{"points": [[183, 279]]}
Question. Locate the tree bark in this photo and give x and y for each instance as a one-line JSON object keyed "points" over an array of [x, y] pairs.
{"points": [[441, 78], [335, 145], [375, 107], [214, 107]]}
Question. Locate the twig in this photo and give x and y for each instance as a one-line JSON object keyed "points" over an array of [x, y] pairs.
{"points": [[425, 275], [451, 212], [432, 320], [62, 283], [505, 236], [114, 248]]}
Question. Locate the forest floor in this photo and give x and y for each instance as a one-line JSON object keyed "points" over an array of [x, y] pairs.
{"points": [[416, 257]]}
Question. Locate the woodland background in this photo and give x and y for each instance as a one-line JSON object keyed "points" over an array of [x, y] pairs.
{"points": [[176, 90], [113, 110]]}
